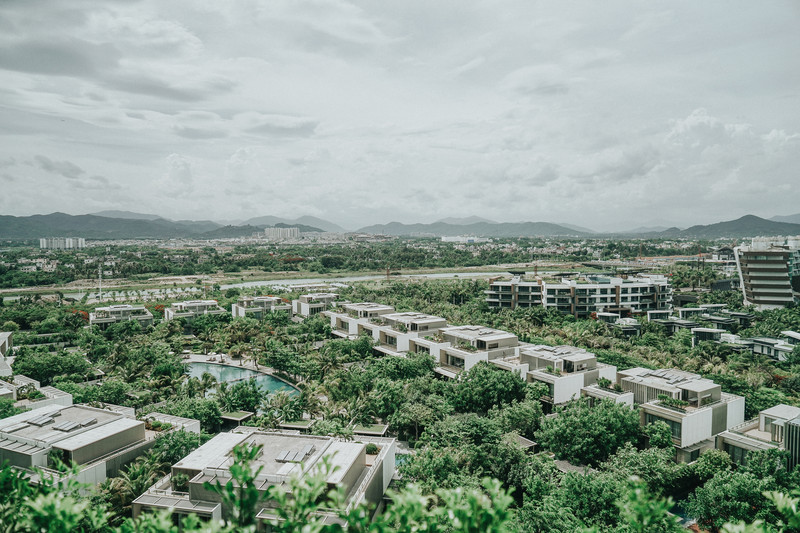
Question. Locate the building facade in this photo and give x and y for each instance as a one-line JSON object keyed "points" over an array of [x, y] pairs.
{"points": [[581, 298], [766, 269], [62, 243]]}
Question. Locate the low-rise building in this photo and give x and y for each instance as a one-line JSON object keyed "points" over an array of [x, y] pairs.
{"points": [[464, 346], [694, 408], [565, 370], [6, 342], [99, 441], [775, 428], [393, 332], [192, 309], [313, 303], [105, 316], [362, 478], [345, 322], [259, 306]]}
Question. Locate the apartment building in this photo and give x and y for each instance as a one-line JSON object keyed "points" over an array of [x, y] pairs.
{"points": [[98, 440], [363, 478], [281, 234], [345, 322], [313, 303], [259, 306], [192, 309], [584, 296], [766, 269], [62, 243], [694, 408], [105, 316], [393, 332], [775, 428]]}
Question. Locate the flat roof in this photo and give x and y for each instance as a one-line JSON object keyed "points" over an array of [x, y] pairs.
{"points": [[367, 306], [477, 332], [783, 411], [97, 433], [45, 433], [342, 455]]}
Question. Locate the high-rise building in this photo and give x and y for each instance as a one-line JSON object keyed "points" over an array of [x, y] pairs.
{"points": [[766, 269], [281, 234], [62, 243]]}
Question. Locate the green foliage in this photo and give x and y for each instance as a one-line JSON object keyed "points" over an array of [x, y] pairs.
{"points": [[241, 493], [732, 496], [659, 435], [485, 386], [43, 366], [588, 434], [7, 408]]}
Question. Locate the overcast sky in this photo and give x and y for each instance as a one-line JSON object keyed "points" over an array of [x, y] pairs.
{"points": [[609, 115]]}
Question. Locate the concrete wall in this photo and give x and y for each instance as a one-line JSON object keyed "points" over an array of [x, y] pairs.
{"points": [[115, 463], [93, 450], [696, 427]]}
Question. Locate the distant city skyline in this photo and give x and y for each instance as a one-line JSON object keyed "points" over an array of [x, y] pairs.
{"points": [[608, 115]]}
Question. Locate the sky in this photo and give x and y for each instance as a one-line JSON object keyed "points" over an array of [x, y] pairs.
{"points": [[609, 115]]}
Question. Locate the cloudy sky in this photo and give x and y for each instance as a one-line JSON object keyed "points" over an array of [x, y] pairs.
{"points": [[605, 114]]}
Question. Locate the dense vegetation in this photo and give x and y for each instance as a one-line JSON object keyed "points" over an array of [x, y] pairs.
{"points": [[464, 431]]}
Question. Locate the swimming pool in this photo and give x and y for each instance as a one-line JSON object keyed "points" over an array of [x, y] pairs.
{"points": [[229, 373]]}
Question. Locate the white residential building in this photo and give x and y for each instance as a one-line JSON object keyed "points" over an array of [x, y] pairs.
{"points": [[62, 243], [258, 306], [281, 234], [104, 316], [313, 303], [582, 297], [707, 410], [363, 478], [192, 309]]}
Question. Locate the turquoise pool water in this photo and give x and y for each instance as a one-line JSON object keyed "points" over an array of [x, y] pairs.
{"points": [[234, 373]]}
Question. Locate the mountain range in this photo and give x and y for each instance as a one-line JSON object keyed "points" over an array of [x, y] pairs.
{"points": [[129, 225]]}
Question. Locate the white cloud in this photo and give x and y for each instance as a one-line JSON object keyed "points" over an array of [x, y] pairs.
{"points": [[366, 112]]}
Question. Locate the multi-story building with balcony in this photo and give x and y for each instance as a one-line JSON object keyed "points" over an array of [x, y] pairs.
{"points": [[584, 296], [565, 370], [393, 332], [313, 303], [259, 306], [462, 347], [362, 478], [775, 428], [766, 269], [105, 316], [694, 408], [345, 322], [192, 309]]}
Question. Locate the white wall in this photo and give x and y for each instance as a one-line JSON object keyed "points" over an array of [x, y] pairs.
{"points": [[696, 427]]}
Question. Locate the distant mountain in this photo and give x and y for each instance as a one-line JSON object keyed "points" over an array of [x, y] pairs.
{"points": [[792, 219], [102, 227], [230, 232], [465, 221], [580, 229], [746, 226], [200, 226], [315, 222], [482, 229], [125, 214], [648, 229]]}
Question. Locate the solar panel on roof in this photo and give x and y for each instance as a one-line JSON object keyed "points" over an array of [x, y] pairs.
{"points": [[66, 426], [88, 422], [282, 456], [40, 420], [15, 427]]}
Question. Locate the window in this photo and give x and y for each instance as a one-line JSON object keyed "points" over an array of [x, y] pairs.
{"points": [[738, 455], [694, 455], [675, 427], [455, 361]]}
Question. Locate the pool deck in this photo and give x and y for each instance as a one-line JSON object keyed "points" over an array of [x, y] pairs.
{"points": [[228, 361]]}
